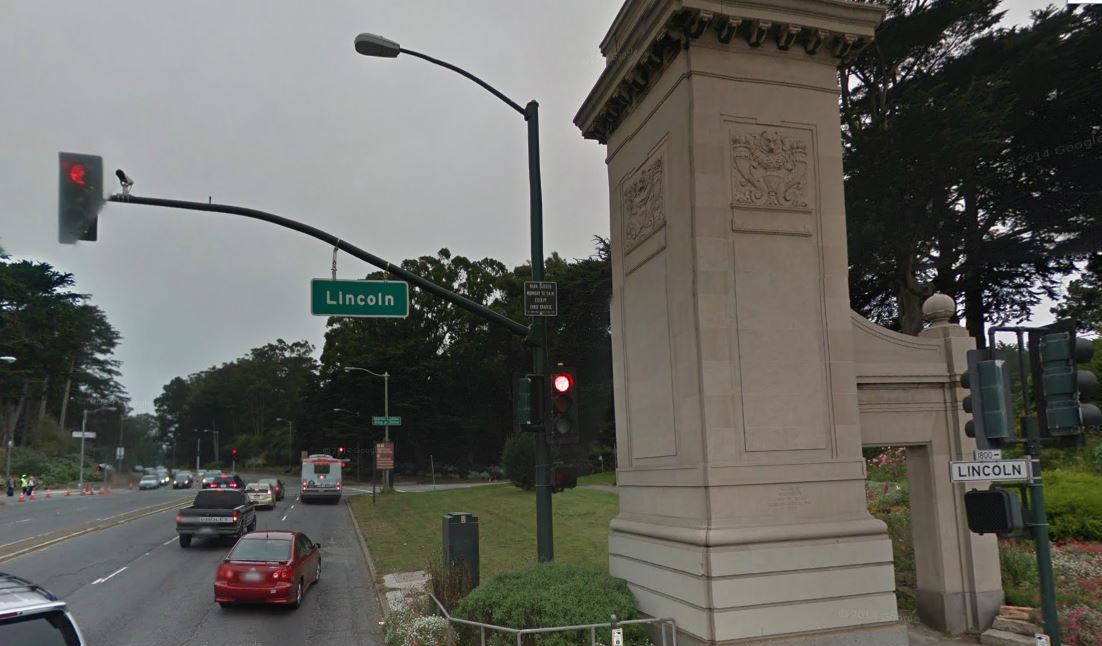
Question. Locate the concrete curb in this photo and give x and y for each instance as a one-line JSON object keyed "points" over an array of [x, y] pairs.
{"points": [[379, 597], [13, 550]]}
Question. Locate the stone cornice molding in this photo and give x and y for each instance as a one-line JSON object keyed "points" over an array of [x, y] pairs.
{"points": [[648, 34]]}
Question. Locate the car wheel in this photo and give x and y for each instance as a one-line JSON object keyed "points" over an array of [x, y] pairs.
{"points": [[185, 540], [298, 595], [317, 571]]}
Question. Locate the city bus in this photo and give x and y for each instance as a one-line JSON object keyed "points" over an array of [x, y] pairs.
{"points": [[321, 478]]}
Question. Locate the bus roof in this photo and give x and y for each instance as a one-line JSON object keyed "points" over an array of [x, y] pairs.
{"points": [[312, 460]]}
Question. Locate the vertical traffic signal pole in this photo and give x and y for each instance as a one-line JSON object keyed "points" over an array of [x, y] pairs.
{"points": [[1038, 520], [545, 544]]}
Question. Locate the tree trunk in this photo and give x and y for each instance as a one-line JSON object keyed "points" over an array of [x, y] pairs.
{"points": [[974, 314], [909, 296], [65, 397], [42, 402]]}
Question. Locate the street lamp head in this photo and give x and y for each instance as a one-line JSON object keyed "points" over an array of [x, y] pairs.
{"points": [[372, 45]]}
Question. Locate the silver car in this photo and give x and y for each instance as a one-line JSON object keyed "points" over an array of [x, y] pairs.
{"points": [[260, 495], [149, 481], [31, 615]]}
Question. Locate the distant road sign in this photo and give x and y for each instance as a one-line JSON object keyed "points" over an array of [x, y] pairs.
{"points": [[360, 298], [384, 456], [999, 470], [394, 420], [88, 435], [120, 452], [541, 298], [988, 455]]}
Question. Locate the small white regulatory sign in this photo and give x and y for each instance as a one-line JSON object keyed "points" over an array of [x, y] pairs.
{"points": [[618, 637], [988, 455], [1040, 639], [1000, 470]]}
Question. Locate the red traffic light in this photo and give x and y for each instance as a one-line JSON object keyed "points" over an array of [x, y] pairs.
{"points": [[340, 450], [77, 172], [235, 451], [562, 382]]}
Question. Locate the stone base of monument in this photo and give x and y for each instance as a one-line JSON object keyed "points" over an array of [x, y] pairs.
{"points": [[887, 635], [803, 583]]}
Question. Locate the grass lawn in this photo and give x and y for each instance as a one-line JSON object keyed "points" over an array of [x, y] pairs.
{"points": [[600, 478], [403, 529]]}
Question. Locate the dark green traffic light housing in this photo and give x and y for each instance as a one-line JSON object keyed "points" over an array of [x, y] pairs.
{"points": [[1059, 385], [989, 402], [79, 196]]}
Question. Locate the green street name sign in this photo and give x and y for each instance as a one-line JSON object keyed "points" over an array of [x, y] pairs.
{"points": [[385, 421], [366, 298]]}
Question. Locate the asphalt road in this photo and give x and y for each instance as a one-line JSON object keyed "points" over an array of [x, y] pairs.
{"points": [[133, 584], [20, 520]]}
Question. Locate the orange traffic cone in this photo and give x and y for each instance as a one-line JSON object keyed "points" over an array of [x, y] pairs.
{"points": [[47, 493], [84, 492], [22, 497], [32, 494], [67, 492]]}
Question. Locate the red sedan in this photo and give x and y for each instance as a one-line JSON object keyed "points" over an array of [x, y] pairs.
{"points": [[268, 567]]}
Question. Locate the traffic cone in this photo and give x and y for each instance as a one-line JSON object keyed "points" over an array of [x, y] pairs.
{"points": [[32, 495], [22, 497], [84, 492], [47, 493], [67, 492]]}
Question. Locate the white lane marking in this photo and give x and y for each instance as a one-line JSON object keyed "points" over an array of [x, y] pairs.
{"points": [[169, 541], [292, 507], [284, 518], [98, 581], [146, 554], [25, 520]]}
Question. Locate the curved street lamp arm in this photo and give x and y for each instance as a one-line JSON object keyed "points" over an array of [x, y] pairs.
{"points": [[459, 70]]}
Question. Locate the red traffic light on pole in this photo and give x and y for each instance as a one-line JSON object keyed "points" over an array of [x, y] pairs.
{"points": [[79, 196], [564, 407]]}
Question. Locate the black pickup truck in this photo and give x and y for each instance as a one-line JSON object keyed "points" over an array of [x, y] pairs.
{"points": [[216, 513]]}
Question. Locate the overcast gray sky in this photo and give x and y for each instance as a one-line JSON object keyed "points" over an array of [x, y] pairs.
{"points": [[266, 104]]}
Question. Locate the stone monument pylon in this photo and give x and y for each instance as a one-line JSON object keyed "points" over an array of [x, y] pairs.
{"points": [[742, 495]]}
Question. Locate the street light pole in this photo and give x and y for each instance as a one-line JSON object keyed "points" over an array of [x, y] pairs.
{"points": [[386, 411], [377, 46], [83, 432]]}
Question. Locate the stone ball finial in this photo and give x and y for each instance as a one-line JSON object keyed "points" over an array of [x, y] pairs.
{"points": [[938, 309]]}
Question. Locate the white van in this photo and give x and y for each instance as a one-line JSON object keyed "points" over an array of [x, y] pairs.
{"points": [[321, 478]]}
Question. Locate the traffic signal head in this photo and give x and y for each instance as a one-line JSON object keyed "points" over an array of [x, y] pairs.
{"points": [[1059, 385], [234, 451], [564, 407], [79, 196], [995, 511], [340, 450], [563, 476], [989, 402]]}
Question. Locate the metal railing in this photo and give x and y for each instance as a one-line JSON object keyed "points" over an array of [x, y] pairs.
{"points": [[592, 628]]}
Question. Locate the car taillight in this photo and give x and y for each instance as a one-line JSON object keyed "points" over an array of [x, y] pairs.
{"points": [[283, 573], [235, 516], [233, 485], [225, 573], [303, 484], [338, 485]]}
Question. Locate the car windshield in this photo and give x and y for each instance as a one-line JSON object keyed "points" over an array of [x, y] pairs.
{"points": [[321, 468], [149, 478], [256, 487], [181, 477], [262, 549]]}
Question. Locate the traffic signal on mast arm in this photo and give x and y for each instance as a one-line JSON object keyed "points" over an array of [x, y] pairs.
{"points": [[79, 196], [989, 402], [564, 406], [1059, 385], [234, 452]]}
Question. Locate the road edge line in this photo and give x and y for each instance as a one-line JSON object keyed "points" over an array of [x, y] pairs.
{"points": [[107, 523], [384, 607]]}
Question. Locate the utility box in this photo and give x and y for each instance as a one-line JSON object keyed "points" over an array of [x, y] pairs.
{"points": [[460, 541]]}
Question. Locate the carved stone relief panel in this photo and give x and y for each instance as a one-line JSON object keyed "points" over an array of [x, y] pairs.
{"points": [[770, 167], [644, 201]]}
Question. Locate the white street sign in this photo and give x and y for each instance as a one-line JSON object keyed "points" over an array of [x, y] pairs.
{"points": [[88, 435], [617, 637], [978, 471], [1040, 639], [120, 452], [988, 455]]}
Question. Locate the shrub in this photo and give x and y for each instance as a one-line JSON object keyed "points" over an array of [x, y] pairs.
{"points": [[1073, 502], [552, 595], [519, 461], [408, 627], [1081, 625]]}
